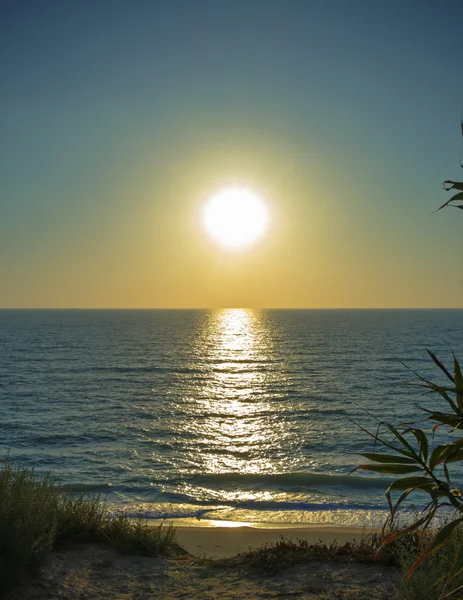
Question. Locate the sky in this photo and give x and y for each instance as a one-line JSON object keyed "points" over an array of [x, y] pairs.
{"points": [[120, 119]]}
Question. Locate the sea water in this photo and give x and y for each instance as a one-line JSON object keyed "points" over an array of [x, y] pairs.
{"points": [[233, 414]]}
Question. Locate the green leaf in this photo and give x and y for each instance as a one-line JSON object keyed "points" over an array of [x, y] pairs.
{"points": [[381, 441], [436, 427], [388, 458], [458, 381], [391, 468], [409, 482], [433, 356], [443, 388], [455, 457], [403, 496], [439, 540], [398, 534], [445, 419], [440, 453], [409, 449], [422, 441], [447, 398], [442, 392]]}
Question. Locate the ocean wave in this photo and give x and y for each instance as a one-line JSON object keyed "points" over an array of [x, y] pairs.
{"points": [[161, 511], [61, 438], [285, 480], [275, 505], [137, 369], [188, 509], [85, 487]]}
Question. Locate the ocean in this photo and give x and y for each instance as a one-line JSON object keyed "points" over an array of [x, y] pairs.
{"points": [[233, 414]]}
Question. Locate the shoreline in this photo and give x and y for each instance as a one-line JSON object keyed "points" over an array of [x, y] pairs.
{"points": [[225, 539]]}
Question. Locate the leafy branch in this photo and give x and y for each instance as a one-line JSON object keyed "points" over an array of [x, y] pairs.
{"points": [[412, 454]]}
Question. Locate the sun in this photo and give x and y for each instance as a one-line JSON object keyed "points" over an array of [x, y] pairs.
{"points": [[236, 217]]}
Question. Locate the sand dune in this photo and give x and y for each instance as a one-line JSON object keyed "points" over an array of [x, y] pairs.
{"points": [[91, 572]]}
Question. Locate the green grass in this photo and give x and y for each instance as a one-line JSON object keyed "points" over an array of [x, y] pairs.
{"points": [[36, 516]]}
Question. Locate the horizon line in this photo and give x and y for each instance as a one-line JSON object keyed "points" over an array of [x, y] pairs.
{"points": [[233, 308]]}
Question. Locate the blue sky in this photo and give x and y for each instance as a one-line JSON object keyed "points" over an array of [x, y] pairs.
{"points": [[119, 118]]}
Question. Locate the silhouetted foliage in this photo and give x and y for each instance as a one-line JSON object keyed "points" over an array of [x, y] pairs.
{"points": [[454, 185], [410, 453]]}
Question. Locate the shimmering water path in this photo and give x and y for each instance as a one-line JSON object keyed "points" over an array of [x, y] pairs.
{"points": [[229, 414]]}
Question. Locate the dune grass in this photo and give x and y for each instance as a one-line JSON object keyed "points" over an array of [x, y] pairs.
{"points": [[36, 516], [279, 556], [426, 584]]}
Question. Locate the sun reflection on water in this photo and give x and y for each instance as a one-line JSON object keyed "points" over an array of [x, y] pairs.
{"points": [[240, 431]]}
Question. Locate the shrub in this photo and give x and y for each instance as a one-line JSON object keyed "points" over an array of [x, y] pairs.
{"points": [[285, 553], [411, 454], [428, 579], [36, 516]]}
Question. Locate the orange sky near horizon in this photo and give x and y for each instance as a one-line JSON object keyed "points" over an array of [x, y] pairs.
{"points": [[118, 125]]}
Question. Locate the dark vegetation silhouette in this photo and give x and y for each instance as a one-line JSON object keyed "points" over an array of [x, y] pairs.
{"points": [[409, 451]]}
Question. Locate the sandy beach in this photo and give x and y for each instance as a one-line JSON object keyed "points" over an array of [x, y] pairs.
{"points": [[223, 539], [91, 572]]}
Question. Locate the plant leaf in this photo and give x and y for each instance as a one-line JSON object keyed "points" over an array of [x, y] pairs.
{"points": [[388, 458], [456, 456], [446, 472], [457, 185], [443, 419], [439, 540], [398, 534], [440, 453], [378, 439], [409, 482], [411, 451], [458, 196], [391, 468], [422, 440], [443, 393], [458, 381], [393, 509], [437, 361]]}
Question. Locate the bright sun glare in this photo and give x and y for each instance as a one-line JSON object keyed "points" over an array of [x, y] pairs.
{"points": [[235, 217]]}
